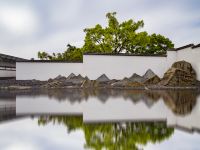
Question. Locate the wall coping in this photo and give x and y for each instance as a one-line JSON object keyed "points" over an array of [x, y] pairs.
{"points": [[195, 46], [183, 47], [49, 61], [125, 54]]}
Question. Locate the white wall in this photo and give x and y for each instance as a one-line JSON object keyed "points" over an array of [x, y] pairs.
{"points": [[44, 71], [115, 67], [6, 73], [118, 67], [171, 58]]}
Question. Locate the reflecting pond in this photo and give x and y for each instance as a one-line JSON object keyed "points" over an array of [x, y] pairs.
{"points": [[100, 119]]}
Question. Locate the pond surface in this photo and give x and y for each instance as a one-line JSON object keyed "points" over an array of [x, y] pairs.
{"points": [[99, 119]]}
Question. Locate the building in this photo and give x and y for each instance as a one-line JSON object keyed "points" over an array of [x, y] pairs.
{"points": [[8, 66], [115, 66]]}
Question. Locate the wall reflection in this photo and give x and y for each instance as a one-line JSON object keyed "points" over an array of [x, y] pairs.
{"points": [[177, 108]]}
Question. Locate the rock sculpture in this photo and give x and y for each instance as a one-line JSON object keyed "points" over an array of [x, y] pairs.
{"points": [[180, 74]]}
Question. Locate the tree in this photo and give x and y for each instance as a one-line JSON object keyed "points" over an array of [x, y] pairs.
{"points": [[115, 38], [43, 55], [124, 37], [71, 54]]}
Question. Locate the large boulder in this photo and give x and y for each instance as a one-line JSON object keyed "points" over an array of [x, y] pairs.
{"points": [[180, 74]]}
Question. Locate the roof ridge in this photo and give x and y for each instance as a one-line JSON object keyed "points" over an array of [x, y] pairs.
{"points": [[125, 54], [195, 46], [185, 46], [11, 57]]}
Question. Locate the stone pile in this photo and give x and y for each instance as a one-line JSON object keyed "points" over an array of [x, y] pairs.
{"points": [[181, 74]]}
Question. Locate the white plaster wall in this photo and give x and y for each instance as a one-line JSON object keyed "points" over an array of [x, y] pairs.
{"points": [[171, 58], [118, 67], [192, 56], [5, 73], [115, 67], [44, 71]]}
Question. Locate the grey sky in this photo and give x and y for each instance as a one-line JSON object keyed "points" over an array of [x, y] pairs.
{"points": [[27, 26]]}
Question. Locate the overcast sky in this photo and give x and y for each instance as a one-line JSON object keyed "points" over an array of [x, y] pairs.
{"points": [[27, 26]]}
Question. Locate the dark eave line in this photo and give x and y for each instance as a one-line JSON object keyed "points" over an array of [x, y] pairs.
{"points": [[125, 54], [172, 49], [50, 61], [183, 47], [195, 46]]}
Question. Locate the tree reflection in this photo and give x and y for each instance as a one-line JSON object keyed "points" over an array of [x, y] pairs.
{"points": [[113, 136]]}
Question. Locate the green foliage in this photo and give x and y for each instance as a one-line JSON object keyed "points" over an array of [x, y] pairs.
{"points": [[115, 38], [43, 55], [124, 37], [113, 136], [71, 122], [71, 54]]}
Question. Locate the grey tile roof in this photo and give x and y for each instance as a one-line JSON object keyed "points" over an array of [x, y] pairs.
{"points": [[10, 58]]}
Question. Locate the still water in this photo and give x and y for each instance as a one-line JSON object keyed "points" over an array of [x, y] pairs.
{"points": [[99, 119]]}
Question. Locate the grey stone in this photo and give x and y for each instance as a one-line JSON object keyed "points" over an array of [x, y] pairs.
{"points": [[60, 78], [71, 76], [136, 78], [149, 74], [152, 81], [103, 78]]}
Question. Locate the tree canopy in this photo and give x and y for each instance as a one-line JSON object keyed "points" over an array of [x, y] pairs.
{"points": [[124, 37], [116, 37], [71, 54]]}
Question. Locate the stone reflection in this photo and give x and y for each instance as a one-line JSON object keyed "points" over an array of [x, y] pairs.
{"points": [[181, 102], [112, 136]]}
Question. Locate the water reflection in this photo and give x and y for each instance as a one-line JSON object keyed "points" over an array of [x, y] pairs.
{"points": [[113, 136], [109, 119], [7, 106], [180, 102]]}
